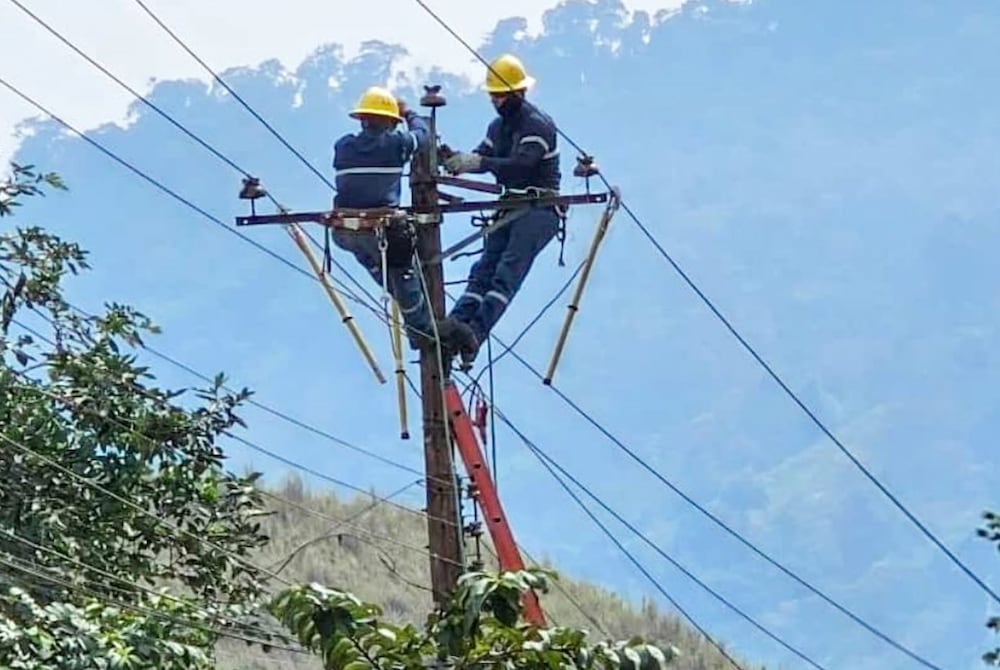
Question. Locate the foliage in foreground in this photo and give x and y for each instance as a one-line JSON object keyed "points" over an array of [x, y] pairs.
{"points": [[482, 627], [111, 490]]}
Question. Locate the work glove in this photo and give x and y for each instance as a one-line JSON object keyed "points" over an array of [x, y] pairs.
{"points": [[461, 161], [403, 109]]}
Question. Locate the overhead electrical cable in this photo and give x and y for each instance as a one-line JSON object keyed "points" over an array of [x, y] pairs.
{"points": [[236, 96], [551, 465], [170, 119]]}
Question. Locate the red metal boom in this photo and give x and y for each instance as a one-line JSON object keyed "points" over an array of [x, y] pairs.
{"points": [[489, 501]]}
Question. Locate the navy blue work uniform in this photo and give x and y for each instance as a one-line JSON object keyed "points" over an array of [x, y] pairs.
{"points": [[369, 170], [520, 151]]}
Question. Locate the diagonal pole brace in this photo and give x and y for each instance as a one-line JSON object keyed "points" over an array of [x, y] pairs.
{"points": [[574, 306]]}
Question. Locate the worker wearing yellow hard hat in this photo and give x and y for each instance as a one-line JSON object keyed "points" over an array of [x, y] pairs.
{"points": [[507, 74], [377, 102], [369, 170], [520, 150]]}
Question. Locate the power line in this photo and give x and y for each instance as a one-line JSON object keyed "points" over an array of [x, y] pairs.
{"points": [[546, 459], [352, 518], [233, 93], [177, 530], [336, 481], [116, 578], [241, 440], [129, 503], [131, 90], [333, 480], [628, 554], [215, 152], [274, 412], [812, 416], [719, 522], [132, 504], [32, 571], [159, 185]]}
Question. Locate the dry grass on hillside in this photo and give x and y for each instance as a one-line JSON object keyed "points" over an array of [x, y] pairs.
{"points": [[380, 557]]}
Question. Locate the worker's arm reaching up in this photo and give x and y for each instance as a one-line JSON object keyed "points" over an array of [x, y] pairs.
{"points": [[417, 135]]}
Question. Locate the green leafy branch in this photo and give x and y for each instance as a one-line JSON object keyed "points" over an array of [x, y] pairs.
{"points": [[482, 627]]}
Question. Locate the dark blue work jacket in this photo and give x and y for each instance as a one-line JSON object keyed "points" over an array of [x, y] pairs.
{"points": [[369, 164], [521, 150]]}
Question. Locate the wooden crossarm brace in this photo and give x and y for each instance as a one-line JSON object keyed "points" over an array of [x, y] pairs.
{"points": [[296, 234], [574, 306], [397, 355]]}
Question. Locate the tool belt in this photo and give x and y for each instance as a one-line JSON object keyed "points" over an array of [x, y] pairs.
{"points": [[397, 235], [520, 195]]}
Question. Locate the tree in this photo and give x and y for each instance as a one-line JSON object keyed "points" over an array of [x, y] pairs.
{"points": [[124, 543], [482, 627], [991, 532], [112, 491]]}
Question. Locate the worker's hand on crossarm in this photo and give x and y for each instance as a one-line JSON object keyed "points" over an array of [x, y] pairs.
{"points": [[462, 161]]}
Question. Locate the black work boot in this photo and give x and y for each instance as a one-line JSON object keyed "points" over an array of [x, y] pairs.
{"points": [[466, 342]]}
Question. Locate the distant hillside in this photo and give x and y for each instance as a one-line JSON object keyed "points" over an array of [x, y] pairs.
{"points": [[378, 556]]}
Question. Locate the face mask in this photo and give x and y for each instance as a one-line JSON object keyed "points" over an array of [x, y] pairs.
{"points": [[511, 105]]}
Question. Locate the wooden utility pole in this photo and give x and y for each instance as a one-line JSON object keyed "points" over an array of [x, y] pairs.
{"points": [[444, 527]]}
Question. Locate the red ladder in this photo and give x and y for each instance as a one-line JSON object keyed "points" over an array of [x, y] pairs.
{"points": [[489, 501]]}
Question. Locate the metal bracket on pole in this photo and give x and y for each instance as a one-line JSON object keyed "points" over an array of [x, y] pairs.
{"points": [[588, 264], [297, 235]]}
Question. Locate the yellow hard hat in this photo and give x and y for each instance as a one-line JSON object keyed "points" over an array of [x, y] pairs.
{"points": [[507, 74], [377, 101]]}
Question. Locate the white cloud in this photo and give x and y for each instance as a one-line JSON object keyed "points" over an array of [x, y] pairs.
{"points": [[224, 33]]}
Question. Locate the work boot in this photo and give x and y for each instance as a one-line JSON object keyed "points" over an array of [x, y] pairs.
{"points": [[465, 341], [446, 336]]}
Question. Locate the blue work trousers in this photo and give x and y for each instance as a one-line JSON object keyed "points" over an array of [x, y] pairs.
{"points": [[497, 276], [404, 284]]}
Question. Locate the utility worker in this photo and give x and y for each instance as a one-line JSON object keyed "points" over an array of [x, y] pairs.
{"points": [[520, 151], [369, 169]]}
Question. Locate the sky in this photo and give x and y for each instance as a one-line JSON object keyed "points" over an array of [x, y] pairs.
{"points": [[122, 37], [824, 173]]}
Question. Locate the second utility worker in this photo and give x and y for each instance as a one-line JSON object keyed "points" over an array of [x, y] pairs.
{"points": [[520, 151]]}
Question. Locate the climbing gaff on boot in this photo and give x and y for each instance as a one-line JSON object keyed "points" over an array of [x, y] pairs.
{"points": [[296, 233], [602, 228], [397, 354]]}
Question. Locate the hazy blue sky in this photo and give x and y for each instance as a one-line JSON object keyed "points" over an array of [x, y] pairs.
{"points": [[826, 172]]}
